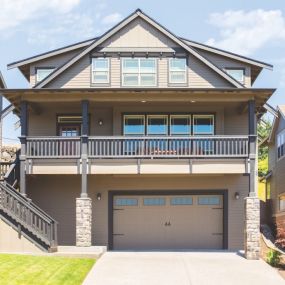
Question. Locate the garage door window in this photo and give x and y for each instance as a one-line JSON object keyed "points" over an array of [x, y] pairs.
{"points": [[126, 202], [209, 201], [181, 201], [154, 201]]}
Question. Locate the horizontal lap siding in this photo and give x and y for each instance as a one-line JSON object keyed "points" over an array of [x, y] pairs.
{"points": [[223, 62], [235, 123], [56, 194]]}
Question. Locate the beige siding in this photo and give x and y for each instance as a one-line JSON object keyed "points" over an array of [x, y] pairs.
{"points": [[139, 34], [235, 123], [57, 194], [54, 61], [223, 62]]}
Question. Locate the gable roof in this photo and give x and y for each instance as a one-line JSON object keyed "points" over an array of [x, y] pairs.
{"points": [[122, 24], [2, 82]]}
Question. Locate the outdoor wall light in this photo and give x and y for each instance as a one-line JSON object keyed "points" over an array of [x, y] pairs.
{"points": [[237, 195], [98, 196], [100, 122]]}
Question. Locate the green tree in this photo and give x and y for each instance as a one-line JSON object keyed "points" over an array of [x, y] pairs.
{"points": [[263, 131]]}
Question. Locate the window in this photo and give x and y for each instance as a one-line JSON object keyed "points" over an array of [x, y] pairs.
{"points": [[42, 73], [282, 202], [203, 125], [177, 70], [281, 144], [69, 126], [154, 201], [126, 202], [208, 200], [157, 125], [100, 70], [134, 125], [139, 71], [180, 125], [236, 73], [181, 201]]}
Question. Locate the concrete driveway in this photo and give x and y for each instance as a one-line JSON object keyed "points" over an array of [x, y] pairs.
{"points": [[180, 268]]}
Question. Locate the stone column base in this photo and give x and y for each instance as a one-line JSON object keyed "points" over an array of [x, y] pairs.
{"points": [[83, 221], [252, 228]]}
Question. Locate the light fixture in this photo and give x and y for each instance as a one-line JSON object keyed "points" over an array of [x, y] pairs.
{"points": [[98, 196], [100, 122], [143, 101], [237, 196], [192, 101]]}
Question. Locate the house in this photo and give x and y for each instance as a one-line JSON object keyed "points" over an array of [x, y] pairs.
{"points": [[275, 180], [138, 140]]}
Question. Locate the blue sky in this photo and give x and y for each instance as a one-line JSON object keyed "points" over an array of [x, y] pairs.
{"points": [[254, 28]]}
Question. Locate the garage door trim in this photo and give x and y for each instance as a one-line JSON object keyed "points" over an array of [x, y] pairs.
{"points": [[113, 193]]}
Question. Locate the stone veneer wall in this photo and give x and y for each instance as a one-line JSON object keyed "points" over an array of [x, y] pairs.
{"points": [[252, 228], [83, 221]]}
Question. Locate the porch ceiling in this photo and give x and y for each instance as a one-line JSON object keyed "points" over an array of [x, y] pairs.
{"points": [[15, 96]]}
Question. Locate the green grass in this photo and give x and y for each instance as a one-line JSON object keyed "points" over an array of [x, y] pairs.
{"points": [[43, 270]]}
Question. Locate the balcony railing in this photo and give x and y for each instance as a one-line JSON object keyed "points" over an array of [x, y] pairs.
{"points": [[140, 147]]}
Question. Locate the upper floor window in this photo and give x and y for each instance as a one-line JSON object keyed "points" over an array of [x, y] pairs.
{"points": [[134, 125], [281, 144], [180, 124], [236, 73], [43, 72], [177, 70], [69, 126], [282, 202], [139, 72], [100, 70]]}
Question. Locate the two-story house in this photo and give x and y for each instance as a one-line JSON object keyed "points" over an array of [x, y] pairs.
{"points": [[137, 140]]}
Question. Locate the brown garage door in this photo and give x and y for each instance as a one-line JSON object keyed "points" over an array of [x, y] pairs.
{"points": [[168, 222]]}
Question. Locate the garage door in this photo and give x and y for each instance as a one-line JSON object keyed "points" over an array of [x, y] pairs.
{"points": [[168, 222]]}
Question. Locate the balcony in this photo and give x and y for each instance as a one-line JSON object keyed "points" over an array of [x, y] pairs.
{"points": [[121, 147]]}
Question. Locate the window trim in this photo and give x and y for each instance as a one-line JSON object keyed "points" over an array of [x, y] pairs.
{"points": [[134, 116], [181, 116], [279, 200], [139, 72], [203, 134], [43, 68], [281, 133], [186, 73], [107, 83], [237, 68], [158, 115]]}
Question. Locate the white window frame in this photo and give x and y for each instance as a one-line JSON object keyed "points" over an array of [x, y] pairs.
{"points": [[239, 69], [203, 116], [157, 116], [51, 69], [180, 116], [280, 198], [172, 71], [280, 141], [139, 72], [135, 117], [107, 70]]}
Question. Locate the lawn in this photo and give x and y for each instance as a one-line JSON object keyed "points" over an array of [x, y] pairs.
{"points": [[43, 270]]}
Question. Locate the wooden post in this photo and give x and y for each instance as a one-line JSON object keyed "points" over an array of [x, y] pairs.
{"points": [[23, 139], [84, 148], [252, 131]]}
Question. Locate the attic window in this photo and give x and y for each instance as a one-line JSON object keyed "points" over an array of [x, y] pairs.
{"points": [[100, 70], [43, 72], [236, 73]]}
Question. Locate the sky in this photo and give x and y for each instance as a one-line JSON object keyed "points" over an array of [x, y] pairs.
{"points": [[254, 28]]}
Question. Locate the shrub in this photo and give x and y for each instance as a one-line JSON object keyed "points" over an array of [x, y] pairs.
{"points": [[280, 235], [273, 257]]}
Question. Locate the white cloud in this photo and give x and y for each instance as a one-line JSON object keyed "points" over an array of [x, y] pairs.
{"points": [[14, 12], [245, 32], [112, 19]]}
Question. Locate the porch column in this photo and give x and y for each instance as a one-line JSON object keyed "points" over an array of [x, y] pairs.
{"points": [[84, 203], [23, 139], [252, 203]]}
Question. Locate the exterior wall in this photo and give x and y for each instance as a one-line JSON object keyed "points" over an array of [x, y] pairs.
{"points": [[223, 62], [57, 195], [11, 242], [54, 61], [227, 119]]}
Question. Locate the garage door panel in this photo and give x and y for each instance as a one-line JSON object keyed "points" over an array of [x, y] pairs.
{"points": [[168, 222]]}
